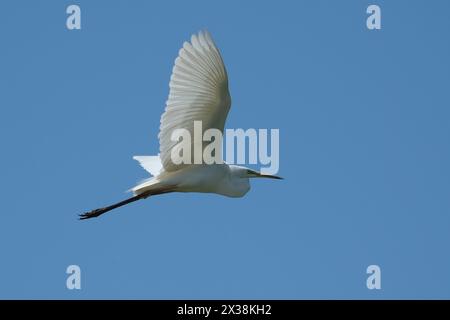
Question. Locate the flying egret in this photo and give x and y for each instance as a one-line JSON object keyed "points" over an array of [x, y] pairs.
{"points": [[198, 92]]}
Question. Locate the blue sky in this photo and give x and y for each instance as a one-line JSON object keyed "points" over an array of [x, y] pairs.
{"points": [[364, 149]]}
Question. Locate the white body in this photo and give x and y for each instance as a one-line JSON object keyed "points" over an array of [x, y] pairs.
{"points": [[217, 178]]}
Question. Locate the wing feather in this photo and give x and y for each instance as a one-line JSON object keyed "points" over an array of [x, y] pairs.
{"points": [[198, 92]]}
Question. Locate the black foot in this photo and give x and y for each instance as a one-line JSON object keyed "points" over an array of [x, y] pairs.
{"points": [[92, 214]]}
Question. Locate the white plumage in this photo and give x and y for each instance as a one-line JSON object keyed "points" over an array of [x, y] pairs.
{"points": [[198, 92]]}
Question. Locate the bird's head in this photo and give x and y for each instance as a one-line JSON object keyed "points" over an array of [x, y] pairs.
{"points": [[244, 172]]}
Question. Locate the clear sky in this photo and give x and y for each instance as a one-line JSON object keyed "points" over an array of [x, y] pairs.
{"points": [[364, 148]]}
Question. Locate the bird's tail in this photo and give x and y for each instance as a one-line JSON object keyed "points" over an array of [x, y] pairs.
{"points": [[145, 185], [151, 164]]}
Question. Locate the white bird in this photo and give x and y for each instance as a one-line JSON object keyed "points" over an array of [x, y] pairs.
{"points": [[198, 92]]}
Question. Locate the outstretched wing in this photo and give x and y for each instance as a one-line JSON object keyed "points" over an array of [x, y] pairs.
{"points": [[198, 92]]}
